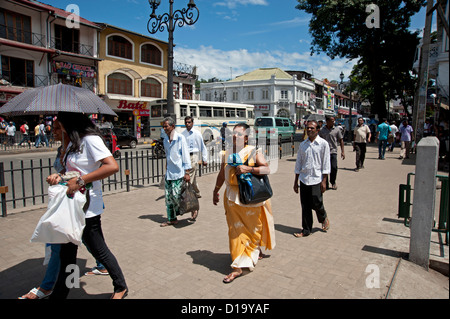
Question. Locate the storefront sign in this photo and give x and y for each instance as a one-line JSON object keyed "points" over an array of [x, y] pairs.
{"points": [[262, 107], [123, 104], [68, 68]]}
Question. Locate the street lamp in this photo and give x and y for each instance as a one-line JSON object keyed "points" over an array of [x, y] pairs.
{"points": [[169, 20]]}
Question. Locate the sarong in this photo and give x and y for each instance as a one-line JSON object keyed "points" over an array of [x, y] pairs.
{"points": [[172, 191]]}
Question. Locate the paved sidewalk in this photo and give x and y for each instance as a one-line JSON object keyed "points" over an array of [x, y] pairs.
{"points": [[189, 260]]}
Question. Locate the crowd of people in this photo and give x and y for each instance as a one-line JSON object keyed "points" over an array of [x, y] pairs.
{"points": [[250, 226], [39, 136]]}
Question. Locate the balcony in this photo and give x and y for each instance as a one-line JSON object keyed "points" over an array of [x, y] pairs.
{"points": [[27, 80], [72, 47], [22, 36]]}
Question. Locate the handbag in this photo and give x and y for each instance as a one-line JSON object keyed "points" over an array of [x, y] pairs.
{"points": [[188, 199], [259, 190], [64, 220]]}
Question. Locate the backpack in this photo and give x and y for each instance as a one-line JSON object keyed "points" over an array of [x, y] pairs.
{"points": [[22, 129]]}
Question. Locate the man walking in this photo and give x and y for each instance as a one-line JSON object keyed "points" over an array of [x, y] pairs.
{"points": [[333, 135], [178, 168], [311, 169], [25, 130], [405, 131], [383, 131], [11, 133], [196, 147], [360, 137]]}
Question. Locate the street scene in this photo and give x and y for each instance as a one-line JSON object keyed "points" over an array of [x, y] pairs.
{"points": [[135, 165]]}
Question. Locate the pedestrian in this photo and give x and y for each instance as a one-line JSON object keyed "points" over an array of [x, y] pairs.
{"points": [[383, 131], [25, 130], [405, 139], [178, 169], [197, 148], [11, 133], [428, 128], [225, 134], [42, 133], [250, 227], [311, 170], [87, 154], [392, 139], [361, 135], [333, 135]]}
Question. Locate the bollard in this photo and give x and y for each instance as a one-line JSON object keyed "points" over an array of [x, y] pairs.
{"points": [[424, 201]]}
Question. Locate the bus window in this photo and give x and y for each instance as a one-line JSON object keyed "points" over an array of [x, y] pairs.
{"points": [[193, 110], [156, 111], [250, 114], [218, 112], [183, 111], [241, 113], [205, 112], [231, 113]]}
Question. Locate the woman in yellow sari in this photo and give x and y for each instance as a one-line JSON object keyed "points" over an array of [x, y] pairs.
{"points": [[250, 227]]}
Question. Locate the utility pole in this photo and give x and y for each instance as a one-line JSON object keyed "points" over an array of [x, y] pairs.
{"points": [[420, 98]]}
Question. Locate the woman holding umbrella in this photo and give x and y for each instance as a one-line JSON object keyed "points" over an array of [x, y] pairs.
{"points": [[88, 155]]}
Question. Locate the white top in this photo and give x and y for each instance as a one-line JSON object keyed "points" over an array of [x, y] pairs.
{"points": [[313, 161], [92, 151], [195, 143], [177, 156]]}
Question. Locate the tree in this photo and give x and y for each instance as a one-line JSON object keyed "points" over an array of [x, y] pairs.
{"points": [[344, 29]]}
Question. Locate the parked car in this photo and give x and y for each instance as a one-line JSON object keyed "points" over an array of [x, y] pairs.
{"points": [[125, 139], [276, 127]]}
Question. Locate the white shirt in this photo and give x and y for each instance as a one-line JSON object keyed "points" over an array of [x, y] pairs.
{"points": [[195, 143], [177, 156], [394, 129], [92, 151], [313, 161]]}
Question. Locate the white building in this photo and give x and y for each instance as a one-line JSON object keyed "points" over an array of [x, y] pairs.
{"points": [[272, 91]]}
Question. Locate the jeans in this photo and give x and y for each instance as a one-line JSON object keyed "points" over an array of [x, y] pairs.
{"points": [[52, 268], [94, 240], [26, 138], [311, 198], [382, 144]]}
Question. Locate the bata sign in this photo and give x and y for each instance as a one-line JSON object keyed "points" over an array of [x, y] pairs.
{"points": [[139, 108]]}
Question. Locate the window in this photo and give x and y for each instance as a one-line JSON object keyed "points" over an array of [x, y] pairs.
{"points": [[151, 88], [150, 54], [183, 110], [187, 92], [278, 122], [235, 96], [14, 26], [67, 39], [156, 111], [218, 112], [284, 94], [119, 83], [18, 72], [241, 113], [265, 94], [120, 47], [230, 113], [205, 112], [250, 95]]}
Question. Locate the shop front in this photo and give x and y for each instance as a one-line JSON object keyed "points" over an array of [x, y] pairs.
{"points": [[72, 73], [133, 114]]}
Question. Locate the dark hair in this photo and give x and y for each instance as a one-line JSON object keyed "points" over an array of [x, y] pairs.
{"points": [[187, 118], [77, 126], [245, 126]]}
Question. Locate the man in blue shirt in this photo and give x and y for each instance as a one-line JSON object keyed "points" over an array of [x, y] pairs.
{"points": [[178, 168], [383, 131]]}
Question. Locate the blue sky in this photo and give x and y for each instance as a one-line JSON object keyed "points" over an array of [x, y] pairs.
{"points": [[231, 37]]}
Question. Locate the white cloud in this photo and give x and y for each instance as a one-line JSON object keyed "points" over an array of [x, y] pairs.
{"points": [[223, 65], [231, 4]]}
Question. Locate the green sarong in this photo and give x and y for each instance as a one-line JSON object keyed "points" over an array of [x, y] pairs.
{"points": [[173, 191]]}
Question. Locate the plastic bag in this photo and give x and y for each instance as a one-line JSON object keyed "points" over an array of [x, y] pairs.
{"points": [[188, 199], [64, 220]]}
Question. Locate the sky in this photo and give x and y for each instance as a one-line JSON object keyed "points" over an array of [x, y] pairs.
{"points": [[231, 37]]}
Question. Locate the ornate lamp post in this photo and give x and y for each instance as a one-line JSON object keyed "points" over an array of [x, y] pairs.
{"points": [[169, 20]]}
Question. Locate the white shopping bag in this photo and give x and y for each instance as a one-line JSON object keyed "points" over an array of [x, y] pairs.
{"points": [[64, 220]]}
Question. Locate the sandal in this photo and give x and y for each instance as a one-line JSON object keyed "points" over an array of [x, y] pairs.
{"points": [[125, 293], [95, 271], [299, 235], [326, 225], [228, 279], [165, 224], [35, 292], [194, 215]]}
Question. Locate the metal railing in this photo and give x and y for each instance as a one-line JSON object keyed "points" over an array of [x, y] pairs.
{"points": [[71, 46], [20, 35], [22, 183]]}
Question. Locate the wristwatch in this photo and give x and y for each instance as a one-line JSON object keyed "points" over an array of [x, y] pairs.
{"points": [[81, 182]]}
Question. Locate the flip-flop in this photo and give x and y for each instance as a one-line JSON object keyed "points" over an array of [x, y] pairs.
{"points": [[194, 215], [39, 294], [326, 225], [95, 271], [231, 277], [299, 235], [165, 224]]}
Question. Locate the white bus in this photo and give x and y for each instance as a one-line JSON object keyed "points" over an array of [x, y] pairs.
{"points": [[208, 116]]}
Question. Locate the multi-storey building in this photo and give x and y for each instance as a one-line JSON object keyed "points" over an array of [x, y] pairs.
{"points": [[272, 91]]}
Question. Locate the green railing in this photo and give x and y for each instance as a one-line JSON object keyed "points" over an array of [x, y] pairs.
{"points": [[405, 203]]}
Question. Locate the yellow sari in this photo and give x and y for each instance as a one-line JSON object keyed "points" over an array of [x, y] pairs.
{"points": [[250, 227]]}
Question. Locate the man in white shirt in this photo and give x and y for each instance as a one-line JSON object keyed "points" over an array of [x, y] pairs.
{"points": [[361, 134], [178, 166], [196, 145], [311, 169]]}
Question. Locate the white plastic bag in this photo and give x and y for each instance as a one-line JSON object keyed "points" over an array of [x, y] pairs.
{"points": [[64, 220]]}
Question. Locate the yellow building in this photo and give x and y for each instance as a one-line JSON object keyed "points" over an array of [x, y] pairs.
{"points": [[133, 71]]}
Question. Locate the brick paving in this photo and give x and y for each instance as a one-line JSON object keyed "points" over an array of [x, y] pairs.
{"points": [[188, 261]]}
